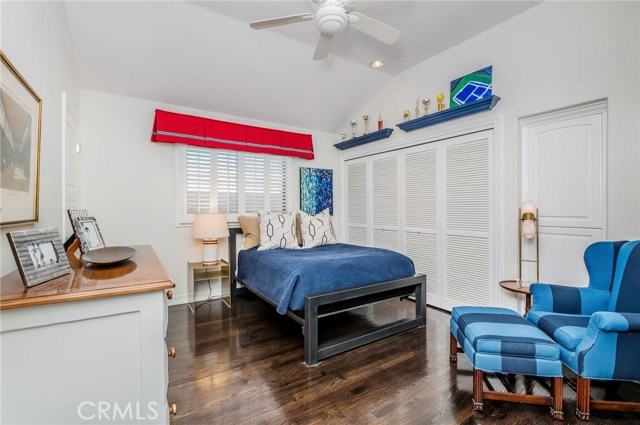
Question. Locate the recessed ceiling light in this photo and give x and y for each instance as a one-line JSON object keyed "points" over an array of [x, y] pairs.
{"points": [[376, 64]]}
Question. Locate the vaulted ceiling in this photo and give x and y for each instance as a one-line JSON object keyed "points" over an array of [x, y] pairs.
{"points": [[204, 55]]}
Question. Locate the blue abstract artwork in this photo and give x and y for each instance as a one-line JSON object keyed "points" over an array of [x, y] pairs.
{"points": [[471, 87], [316, 190]]}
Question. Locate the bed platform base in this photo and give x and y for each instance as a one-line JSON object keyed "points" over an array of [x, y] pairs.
{"points": [[327, 304]]}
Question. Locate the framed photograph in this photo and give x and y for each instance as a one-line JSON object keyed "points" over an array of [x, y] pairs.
{"points": [[316, 190], [88, 232], [39, 255], [20, 117]]}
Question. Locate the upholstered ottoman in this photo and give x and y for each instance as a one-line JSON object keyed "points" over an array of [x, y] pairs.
{"points": [[500, 340]]}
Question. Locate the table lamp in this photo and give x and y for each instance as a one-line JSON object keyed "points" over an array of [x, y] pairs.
{"points": [[209, 227]]}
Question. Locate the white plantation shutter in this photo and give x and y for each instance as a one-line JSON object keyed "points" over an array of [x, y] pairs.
{"points": [[357, 203], [227, 173], [278, 181], [254, 182], [199, 177], [232, 182], [467, 223]]}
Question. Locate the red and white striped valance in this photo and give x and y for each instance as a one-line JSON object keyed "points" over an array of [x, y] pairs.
{"points": [[170, 127]]}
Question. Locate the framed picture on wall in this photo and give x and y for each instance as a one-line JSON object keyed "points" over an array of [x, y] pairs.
{"points": [[39, 255], [20, 118], [316, 190], [88, 232]]}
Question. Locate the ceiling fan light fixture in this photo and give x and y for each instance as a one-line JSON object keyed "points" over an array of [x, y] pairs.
{"points": [[376, 64], [331, 19]]}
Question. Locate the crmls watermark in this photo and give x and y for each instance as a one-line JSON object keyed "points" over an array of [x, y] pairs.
{"points": [[105, 410]]}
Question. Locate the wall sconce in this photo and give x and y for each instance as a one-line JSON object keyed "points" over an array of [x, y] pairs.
{"points": [[528, 229]]}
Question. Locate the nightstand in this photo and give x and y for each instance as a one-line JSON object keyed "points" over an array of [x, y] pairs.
{"points": [[200, 273]]}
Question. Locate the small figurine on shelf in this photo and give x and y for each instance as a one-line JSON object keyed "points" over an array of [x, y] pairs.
{"points": [[365, 118], [417, 108], [380, 121], [354, 123], [440, 99], [405, 115], [425, 104]]}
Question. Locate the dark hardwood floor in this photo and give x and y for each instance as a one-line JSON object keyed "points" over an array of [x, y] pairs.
{"points": [[244, 366]]}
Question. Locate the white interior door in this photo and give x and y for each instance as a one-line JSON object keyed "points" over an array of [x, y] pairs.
{"points": [[71, 163], [564, 174], [385, 202]]}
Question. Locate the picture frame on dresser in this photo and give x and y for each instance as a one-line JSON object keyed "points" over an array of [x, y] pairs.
{"points": [[39, 255], [87, 230], [20, 124]]}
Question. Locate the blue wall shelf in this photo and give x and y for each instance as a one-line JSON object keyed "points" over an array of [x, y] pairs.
{"points": [[371, 137], [451, 114]]}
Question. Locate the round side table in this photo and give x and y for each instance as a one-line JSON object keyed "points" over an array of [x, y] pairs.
{"points": [[519, 287]]}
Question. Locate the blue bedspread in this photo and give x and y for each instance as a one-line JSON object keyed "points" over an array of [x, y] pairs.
{"points": [[286, 276]]}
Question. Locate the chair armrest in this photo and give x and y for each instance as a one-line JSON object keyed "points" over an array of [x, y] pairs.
{"points": [[609, 349], [610, 321], [568, 299]]}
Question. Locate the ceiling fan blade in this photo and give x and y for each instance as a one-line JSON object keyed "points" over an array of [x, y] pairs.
{"points": [[323, 46], [284, 20], [375, 29]]}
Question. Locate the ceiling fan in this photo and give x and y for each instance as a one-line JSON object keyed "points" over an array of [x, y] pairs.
{"points": [[333, 17]]}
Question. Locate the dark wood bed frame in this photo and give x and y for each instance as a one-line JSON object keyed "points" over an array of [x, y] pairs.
{"points": [[327, 304]]}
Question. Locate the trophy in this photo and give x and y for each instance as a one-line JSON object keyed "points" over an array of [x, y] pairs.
{"points": [[417, 108], [405, 115], [365, 118], [425, 105], [440, 100], [354, 123]]}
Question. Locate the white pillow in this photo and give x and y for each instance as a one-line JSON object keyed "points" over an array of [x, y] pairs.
{"points": [[317, 229], [277, 231]]}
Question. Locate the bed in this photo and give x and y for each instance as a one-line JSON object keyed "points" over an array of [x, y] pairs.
{"points": [[307, 285]]}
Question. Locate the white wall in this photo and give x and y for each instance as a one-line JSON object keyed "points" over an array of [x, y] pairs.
{"points": [[35, 38], [130, 185], [549, 57]]}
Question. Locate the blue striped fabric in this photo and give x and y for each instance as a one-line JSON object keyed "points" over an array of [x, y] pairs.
{"points": [[601, 339], [500, 340], [566, 329], [600, 259]]}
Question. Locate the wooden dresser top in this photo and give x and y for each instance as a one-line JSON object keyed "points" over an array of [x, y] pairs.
{"points": [[142, 273]]}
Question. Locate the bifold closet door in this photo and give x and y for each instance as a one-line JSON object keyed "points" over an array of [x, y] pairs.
{"points": [[385, 202], [357, 203], [421, 216], [468, 216]]}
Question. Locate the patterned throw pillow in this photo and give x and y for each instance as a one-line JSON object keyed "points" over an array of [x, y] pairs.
{"points": [[277, 231], [317, 229]]}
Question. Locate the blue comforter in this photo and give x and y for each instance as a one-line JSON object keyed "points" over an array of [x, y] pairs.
{"points": [[286, 276]]}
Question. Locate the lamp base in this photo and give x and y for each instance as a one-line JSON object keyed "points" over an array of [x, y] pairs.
{"points": [[209, 252]]}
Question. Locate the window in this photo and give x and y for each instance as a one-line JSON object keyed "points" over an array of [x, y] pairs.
{"points": [[231, 182]]}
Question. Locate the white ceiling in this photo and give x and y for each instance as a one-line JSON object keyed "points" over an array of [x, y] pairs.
{"points": [[204, 55]]}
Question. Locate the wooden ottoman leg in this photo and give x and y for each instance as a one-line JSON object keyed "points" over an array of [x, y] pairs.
{"points": [[583, 398], [478, 386], [556, 407], [453, 348]]}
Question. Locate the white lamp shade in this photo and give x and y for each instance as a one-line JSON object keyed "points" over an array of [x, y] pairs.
{"points": [[528, 229], [528, 207], [210, 226]]}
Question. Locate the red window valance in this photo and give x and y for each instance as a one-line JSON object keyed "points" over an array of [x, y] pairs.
{"points": [[170, 127]]}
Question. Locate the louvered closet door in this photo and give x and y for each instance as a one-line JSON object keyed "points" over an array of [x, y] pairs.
{"points": [[420, 215], [384, 195], [357, 200], [468, 217]]}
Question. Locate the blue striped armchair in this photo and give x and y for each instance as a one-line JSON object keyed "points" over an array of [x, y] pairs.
{"points": [[597, 327]]}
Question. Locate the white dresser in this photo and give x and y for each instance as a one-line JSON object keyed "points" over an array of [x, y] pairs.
{"points": [[86, 348]]}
